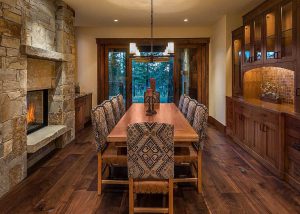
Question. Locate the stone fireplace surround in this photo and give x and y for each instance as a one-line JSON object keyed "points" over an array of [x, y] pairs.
{"points": [[34, 33]]}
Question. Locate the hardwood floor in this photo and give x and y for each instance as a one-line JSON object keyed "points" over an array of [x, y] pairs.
{"points": [[233, 182]]}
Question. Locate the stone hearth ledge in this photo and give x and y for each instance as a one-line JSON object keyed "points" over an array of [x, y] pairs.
{"points": [[38, 53], [44, 136]]}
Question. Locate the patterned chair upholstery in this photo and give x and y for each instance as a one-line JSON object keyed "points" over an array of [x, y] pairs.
{"points": [[156, 96], [185, 105], [108, 154], [150, 156], [181, 102], [191, 111], [121, 104], [99, 127], [200, 125], [150, 151], [109, 115], [116, 109]]}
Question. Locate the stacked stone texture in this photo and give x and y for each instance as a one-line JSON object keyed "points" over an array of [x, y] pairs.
{"points": [[46, 25], [13, 77]]}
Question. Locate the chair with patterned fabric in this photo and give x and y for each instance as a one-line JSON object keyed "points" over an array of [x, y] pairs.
{"points": [[156, 96], [108, 154], [121, 104], [193, 154], [181, 102], [116, 109], [191, 111], [150, 153], [109, 115], [185, 105]]}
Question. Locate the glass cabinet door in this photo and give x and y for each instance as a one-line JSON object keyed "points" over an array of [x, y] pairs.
{"points": [[271, 36], [257, 40], [247, 44], [287, 30], [237, 66]]}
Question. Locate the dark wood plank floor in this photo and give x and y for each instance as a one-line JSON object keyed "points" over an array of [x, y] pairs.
{"points": [[233, 183]]}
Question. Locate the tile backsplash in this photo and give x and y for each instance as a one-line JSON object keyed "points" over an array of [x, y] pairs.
{"points": [[282, 77]]}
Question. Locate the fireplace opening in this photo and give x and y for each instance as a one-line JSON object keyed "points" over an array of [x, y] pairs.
{"points": [[37, 110]]}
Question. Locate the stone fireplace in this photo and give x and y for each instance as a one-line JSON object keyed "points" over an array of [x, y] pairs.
{"points": [[37, 110], [37, 54]]}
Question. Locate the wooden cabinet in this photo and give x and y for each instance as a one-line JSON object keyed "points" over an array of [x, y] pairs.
{"points": [[229, 116], [83, 106], [292, 149], [270, 34], [237, 81], [258, 131]]}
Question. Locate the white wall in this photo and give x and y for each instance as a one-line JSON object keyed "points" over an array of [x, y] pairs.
{"points": [[220, 74], [220, 81], [217, 73], [87, 48]]}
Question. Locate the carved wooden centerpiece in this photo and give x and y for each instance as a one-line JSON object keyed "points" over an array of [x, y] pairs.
{"points": [[150, 111]]}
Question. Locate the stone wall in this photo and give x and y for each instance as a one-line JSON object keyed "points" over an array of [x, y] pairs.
{"points": [[46, 26], [13, 77]]}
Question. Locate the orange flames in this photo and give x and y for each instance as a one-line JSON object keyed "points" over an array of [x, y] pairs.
{"points": [[31, 114]]}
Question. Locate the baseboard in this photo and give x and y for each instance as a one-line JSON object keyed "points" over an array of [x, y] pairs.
{"points": [[219, 126]]}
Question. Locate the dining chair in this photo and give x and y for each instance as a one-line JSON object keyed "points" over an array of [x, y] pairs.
{"points": [[116, 109], [150, 153], [192, 154], [121, 104], [181, 102], [109, 115], [191, 111], [185, 105], [108, 154], [200, 126], [156, 97]]}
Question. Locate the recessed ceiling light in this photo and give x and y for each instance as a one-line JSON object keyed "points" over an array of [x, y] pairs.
{"points": [[116, 20], [185, 20]]}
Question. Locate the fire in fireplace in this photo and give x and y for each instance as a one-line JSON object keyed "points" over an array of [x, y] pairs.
{"points": [[37, 110]]}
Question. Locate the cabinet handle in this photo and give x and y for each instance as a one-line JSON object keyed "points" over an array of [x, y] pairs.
{"points": [[296, 146]]}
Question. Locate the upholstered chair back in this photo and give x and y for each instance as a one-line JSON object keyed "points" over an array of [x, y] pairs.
{"points": [[185, 105], [121, 104], [116, 108], [150, 151], [181, 102], [200, 125], [99, 127], [109, 115], [156, 96], [191, 111]]}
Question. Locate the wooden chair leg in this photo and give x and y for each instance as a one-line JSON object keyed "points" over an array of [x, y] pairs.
{"points": [[131, 197], [99, 173], [199, 170], [171, 196]]}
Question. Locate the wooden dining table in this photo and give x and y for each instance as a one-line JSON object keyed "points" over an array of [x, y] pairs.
{"points": [[166, 113]]}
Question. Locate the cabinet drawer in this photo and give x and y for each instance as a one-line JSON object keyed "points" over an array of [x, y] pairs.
{"points": [[80, 101], [267, 117]]}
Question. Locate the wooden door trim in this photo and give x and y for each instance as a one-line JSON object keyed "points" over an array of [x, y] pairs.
{"points": [[105, 43]]}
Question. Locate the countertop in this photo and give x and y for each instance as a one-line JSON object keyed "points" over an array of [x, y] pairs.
{"points": [[82, 94], [279, 108]]}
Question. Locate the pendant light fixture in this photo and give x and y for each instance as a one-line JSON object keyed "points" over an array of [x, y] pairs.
{"points": [[135, 53]]}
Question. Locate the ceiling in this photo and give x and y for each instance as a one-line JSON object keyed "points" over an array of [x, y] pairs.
{"points": [[169, 13]]}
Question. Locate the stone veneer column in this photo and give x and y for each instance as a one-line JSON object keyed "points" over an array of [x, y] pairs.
{"points": [[13, 155], [65, 43]]}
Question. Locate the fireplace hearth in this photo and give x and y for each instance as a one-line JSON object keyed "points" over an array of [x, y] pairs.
{"points": [[37, 110]]}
